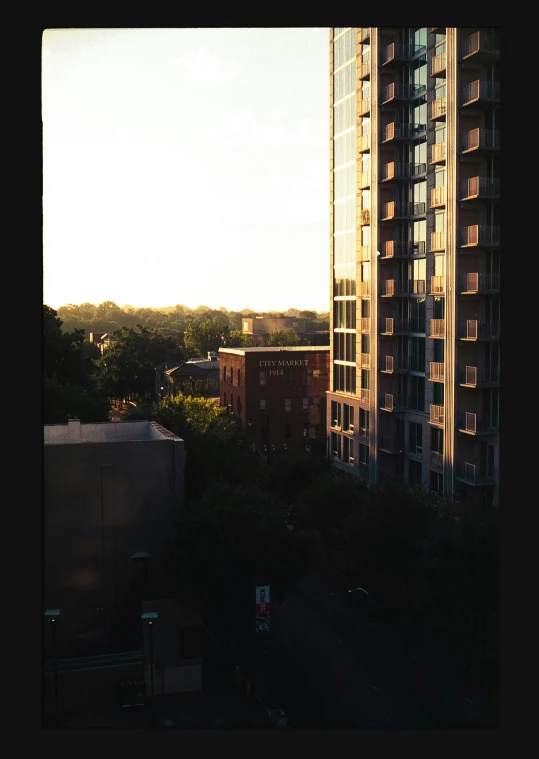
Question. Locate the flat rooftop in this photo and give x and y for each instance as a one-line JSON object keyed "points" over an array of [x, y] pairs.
{"points": [[272, 349], [104, 432]]}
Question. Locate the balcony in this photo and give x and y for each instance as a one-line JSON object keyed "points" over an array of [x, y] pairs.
{"points": [[398, 171], [364, 70], [363, 395], [390, 326], [364, 107], [477, 424], [481, 45], [436, 371], [437, 461], [364, 217], [437, 284], [395, 210], [478, 329], [480, 140], [401, 132], [364, 360], [474, 474], [436, 415], [437, 197], [485, 93], [437, 328], [438, 108], [438, 64], [437, 241], [364, 253], [478, 282], [390, 444], [364, 33], [479, 235], [363, 143], [395, 53], [364, 324], [388, 365], [479, 187], [389, 403], [478, 376], [395, 92], [364, 289], [392, 287], [439, 152], [396, 249], [364, 180]]}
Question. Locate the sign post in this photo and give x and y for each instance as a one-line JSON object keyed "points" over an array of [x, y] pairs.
{"points": [[262, 609]]}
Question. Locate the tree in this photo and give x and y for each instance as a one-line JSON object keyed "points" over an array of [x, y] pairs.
{"points": [[206, 336], [128, 366], [69, 375], [285, 337], [237, 339]]}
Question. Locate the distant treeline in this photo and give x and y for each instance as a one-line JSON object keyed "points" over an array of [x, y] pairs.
{"points": [[108, 317]]}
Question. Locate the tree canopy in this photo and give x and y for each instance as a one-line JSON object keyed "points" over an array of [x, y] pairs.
{"points": [[209, 335]]}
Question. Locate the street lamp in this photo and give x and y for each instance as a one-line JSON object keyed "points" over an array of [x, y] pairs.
{"points": [[150, 617], [53, 615]]}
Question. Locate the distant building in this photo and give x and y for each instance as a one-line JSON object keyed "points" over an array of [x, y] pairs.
{"points": [[279, 393], [261, 327]]}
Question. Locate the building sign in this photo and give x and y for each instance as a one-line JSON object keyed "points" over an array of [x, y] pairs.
{"points": [[262, 609], [290, 362]]}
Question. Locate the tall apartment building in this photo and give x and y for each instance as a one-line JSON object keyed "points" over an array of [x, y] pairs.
{"points": [[414, 263]]}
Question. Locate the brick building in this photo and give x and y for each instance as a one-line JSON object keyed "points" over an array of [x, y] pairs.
{"points": [[279, 393]]}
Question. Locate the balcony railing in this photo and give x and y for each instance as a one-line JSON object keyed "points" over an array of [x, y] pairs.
{"points": [[365, 324], [482, 91], [392, 287], [390, 444], [479, 187], [364, 180], [364, 33], [437, 284], [364, 289], [438, 64], [479, 282], [436, 461], [396, 249], [364, 253], [479, 234], [476, 329], [364, 360], [436, 415], [480, 42], [364, 106], [396, 131], [363, 394], [477, 376], [439, 108], [388, 288], [475, 474], [395, 170], [480, 139], [395, 91], [437, 241], [363, 143], [394, 210], [437, 197], [364, 70], [437, 328], [396, 51], [388, 402], [388, 364], [438, 152], [436, 371], [477, 424], [392, 326]]}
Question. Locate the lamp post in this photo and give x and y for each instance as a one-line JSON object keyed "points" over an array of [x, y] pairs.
{"points": [[150, 617], [53, 615]]}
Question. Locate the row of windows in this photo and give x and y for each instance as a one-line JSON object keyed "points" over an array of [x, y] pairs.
{"points": [[287, 374], [344, 49], [288, 431], [305, 403], [343, 417], [344, 82], [342, 447], [231, 375]]}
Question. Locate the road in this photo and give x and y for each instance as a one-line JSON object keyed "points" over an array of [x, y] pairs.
{"points": [[340, 667]]}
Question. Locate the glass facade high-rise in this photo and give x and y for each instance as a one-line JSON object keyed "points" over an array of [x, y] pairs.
{"points": [[414, 261]]}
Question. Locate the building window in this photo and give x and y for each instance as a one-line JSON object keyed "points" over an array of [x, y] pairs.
{"points": [[336, 445], [245, 326], [439, 308], [239, 377], [415, 438], [417, 354], [348, 418], [364, 420], [288, 404], [231, 402], [224, 373], [438, 394], [414, 473], [287, 431], [262, 403], [436, 482], [287, 376], [231, 375], [364, 454], [417, 315], [224, 400], [335, 414], [436, 440], [306, 427], [305, 404], [262, 377], [316, 372], [304, 377], [417, 392]]}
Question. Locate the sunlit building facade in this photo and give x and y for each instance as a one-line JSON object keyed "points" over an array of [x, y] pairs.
{"points": [[414, 261]]}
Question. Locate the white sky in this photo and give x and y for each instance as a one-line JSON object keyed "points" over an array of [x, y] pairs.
{"points": [[186, 166]]}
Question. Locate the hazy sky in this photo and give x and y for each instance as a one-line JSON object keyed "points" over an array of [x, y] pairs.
{"points": [[186, 166]]}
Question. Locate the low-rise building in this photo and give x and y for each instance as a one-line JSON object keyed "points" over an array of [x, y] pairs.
{"points": [[279, 393], [262, 327]]}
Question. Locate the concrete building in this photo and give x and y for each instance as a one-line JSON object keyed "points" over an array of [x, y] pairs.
{"points": [[415, 256], [279, 393], [111, 495]]}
